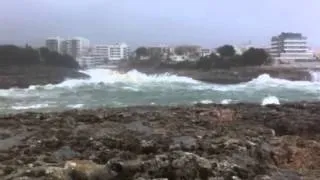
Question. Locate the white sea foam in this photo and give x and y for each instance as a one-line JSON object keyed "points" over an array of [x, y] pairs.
{"points": [[133, 79], [206, 101], [5, 93], [261, 82], [130, 88], [75, 106], [270, 100], [105, 84], [35, 106], [108, 76], [14, 93], [226, 101], [315, 76]]}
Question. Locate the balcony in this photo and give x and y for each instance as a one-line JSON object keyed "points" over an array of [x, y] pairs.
{"points": [[294, 41]]}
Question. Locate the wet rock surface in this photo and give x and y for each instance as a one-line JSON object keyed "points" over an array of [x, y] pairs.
{"points": [[201, 142]]}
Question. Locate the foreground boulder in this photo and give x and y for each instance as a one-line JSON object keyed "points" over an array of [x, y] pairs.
{"points": [[203, 142]]}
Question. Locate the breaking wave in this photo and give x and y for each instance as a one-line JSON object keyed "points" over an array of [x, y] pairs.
{"points": [[315, 76], [114, 89], [226, 101], [75, 106], [270, 100], [107, 76], [133, 79], [25, 107]]}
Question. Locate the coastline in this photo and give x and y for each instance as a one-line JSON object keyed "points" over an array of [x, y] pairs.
{"points": [[25, 76], [230, 76], [242, 141]]}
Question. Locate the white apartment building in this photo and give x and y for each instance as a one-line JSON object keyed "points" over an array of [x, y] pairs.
{"points": [[114, 52], [290, 48], [162, 50], [66, 47], [100, 50], [178, 58], [54, 44], [79, 47], [76, 47], [205, 52], [90, 61], [118, 52]]}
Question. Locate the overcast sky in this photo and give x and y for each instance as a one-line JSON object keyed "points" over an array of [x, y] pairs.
{"points": [[203, 22]]}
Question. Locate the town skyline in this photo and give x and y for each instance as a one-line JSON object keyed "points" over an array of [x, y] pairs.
{"points": [[286, 48], [206, 23]]}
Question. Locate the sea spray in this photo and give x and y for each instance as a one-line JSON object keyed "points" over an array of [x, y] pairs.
{"points": [[270, 100], [226, 101], [34, 106], [109, 88], [315, 76]]}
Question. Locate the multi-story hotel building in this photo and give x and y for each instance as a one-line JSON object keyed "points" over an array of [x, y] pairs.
{"points": [[290, 48], [113, 52], [118, 52], [54, 44]]}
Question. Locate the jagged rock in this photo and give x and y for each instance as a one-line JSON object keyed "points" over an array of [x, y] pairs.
{"points": [[236, 141], [285, 175], [186, 142], [57, 173], [2, 173], [294, 152], [80, 170], [65, 153], [52, 142], [148, 147]]}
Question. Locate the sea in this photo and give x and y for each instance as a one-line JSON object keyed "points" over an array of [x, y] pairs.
{"points": [[110, 88]]}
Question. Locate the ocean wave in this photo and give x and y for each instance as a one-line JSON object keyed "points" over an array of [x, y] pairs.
{"points": [[263, 81], [111, 88], [270, 100], [134, 76], [25, 107], [75, 106], [206, 101], [131, 88], [134, 79], [315, 76], [226, 101]]}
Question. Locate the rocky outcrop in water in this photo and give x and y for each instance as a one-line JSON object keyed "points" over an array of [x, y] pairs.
{"points": [[203, 142], [24, 76]]}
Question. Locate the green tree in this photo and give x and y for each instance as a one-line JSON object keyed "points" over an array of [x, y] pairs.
{"points": [[226, 51], [56, 59], [11, 55], [209, 62], [14, 55], [142, 51], [235, 61], [44, 51], [255, 57]]}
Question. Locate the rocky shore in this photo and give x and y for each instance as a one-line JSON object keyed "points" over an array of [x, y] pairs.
{"points": [[24, 76], [201, 142]]}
